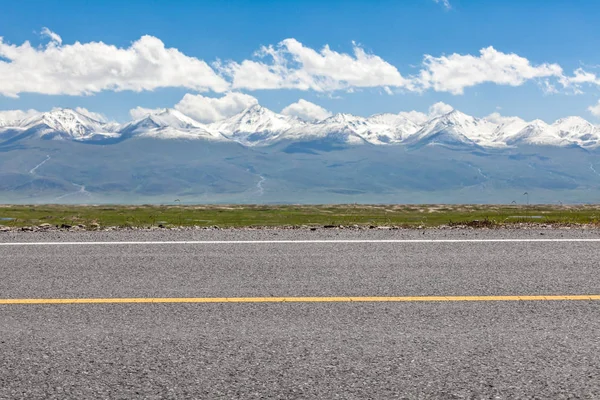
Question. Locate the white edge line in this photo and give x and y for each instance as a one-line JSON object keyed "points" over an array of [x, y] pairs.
{"points": [[208, 242]]}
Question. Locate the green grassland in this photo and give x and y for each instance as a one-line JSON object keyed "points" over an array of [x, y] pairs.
{"points": [[97, 217]]}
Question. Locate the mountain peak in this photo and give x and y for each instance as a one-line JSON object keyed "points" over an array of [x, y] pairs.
{"points": [[537, 132], [456, 129], [65, 121], [457, 116], [164, 118], [255, 109], [573, 123], [343, 118], [255, 125], [578, 130]]}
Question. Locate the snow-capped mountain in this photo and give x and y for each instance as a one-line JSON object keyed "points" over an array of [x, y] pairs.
{"points": [[537, 133], [256, 125], [379, 129], [167, 118], [402, 126], [168, 124], [577, 130], [259, 126], [65, 123], [339, 128], [506, 127], [455, 129]]}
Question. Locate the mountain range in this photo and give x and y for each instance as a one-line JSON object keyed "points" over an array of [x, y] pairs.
{"points": [[259, 156], [259, 126]]}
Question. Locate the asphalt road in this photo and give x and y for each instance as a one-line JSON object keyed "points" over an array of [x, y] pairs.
{"points": [[534, 349]]}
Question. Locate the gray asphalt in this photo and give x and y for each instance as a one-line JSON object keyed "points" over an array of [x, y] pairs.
{"points": [[300, 350]]}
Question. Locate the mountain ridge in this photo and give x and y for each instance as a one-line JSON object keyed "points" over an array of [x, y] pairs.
{"points": [[257, 126]]}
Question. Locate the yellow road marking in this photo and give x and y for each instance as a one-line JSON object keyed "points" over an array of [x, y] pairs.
{"points": [[406, 299]]}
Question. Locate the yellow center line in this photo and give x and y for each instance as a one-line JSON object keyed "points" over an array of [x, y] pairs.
{"points": [[406, 299]]}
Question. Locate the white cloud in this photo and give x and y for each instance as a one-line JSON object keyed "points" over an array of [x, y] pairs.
{"points": [[456, 72], [210, 109], [141, 112], [87, 68], [435, 110], [579, 78], [417, 117], [91, 114], [595, 109], [439, 108], [445, 3], [54, 37], [306, 110], [292, 65], [499, 119], [9, 117]]}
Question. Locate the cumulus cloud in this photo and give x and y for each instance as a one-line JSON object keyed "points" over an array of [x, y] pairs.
{"points": [[91, 114], [87, 68], [439, 108], [500, 119], [210, 109], [10, 117], [291, 65], [147, 64], [435, 110], [445, 3], [141, 112], [456, 72], [595, 109], [306, 111]]}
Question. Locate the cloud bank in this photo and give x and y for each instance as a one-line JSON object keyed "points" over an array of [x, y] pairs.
{"points": [[435, 110], [211, 109], [147, 64], [307, 111], [291, 65], [8, 117], [88, 68]]}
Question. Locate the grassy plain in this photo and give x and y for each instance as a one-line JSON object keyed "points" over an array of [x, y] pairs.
{"points": [[95, 217]]}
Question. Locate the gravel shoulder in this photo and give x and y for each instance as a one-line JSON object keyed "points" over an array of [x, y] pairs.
{"points": [[379, 233]]}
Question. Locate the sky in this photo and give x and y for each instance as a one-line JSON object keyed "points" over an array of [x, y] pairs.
{"points": [[535, 59]]}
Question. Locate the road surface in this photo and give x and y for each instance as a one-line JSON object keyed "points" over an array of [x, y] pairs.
{"points": [[452, 348]]}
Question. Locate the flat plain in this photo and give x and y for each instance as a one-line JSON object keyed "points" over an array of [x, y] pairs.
{"points": [[432, 215]]}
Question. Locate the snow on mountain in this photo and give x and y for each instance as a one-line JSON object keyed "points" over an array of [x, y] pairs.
{"points": [[341, 128], [455, 129], [506, 127], [350, 129], [65, 123], [401, 126], [537, 133], [255, 125], [169, 124], [577, 130], [258, 126]]}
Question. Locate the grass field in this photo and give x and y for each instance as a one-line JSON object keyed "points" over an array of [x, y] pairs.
{"points": [[96, 217]]}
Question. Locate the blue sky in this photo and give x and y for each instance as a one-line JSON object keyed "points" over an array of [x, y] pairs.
{"points": [[395, 35]]}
